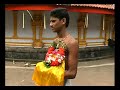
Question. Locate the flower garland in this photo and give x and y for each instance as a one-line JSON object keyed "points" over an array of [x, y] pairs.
{"points": [[55, 54]]}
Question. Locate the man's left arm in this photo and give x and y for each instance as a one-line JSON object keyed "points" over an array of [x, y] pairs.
{"points": [[72, 60]]}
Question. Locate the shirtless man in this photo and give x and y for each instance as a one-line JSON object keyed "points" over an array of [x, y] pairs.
{"points": [[59, 21]]}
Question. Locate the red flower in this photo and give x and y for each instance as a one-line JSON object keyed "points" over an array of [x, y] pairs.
{"points": [[61, 51], [54, 63], [54, 51], [49, 52], [51, 49]]}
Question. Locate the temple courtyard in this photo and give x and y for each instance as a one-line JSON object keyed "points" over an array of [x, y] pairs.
{"points": [[90, 73]]}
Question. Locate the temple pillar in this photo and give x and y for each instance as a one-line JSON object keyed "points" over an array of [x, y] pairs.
{"points": [[107, 23], [37, 21], [113, 27], [81, 23]]}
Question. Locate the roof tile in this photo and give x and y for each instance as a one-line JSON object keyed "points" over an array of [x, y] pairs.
{"points": [[107, 6]]}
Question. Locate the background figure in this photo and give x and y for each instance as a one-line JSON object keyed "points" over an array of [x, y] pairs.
{"points": [[111, 43]]}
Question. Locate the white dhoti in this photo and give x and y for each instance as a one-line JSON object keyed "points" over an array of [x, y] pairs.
{"points": [[67, 82]]}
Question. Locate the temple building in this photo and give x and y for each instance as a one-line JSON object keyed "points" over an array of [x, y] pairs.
{"points": [[27, 25]]}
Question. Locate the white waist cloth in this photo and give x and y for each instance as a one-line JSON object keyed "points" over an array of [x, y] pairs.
{"points": [[67, 82]]}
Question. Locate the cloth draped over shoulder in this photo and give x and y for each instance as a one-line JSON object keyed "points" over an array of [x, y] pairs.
{"points": [[49, 76]]}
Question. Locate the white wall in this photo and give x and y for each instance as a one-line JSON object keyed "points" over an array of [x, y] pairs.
{"points": [[21, 32], [27, 30], [72, 28], [94, 25], [8, 23], [93, 31], [47, 33]]}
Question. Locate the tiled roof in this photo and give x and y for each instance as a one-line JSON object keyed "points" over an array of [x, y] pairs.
{"points": [[107, 6]]}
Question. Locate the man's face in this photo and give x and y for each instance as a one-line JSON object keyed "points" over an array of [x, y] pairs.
{"points": [[55, 24]]}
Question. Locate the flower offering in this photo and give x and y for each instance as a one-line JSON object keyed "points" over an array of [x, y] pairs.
{"points": [[50, 72]]}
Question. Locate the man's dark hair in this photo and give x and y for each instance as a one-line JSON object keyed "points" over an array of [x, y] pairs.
{"points": [[60, 13]]}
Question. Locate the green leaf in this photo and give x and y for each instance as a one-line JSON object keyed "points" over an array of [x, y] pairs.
{"points": [[47, 65], [53, 44]]}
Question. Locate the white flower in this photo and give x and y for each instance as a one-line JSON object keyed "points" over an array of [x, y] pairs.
{"points": [[48, 60], [58, 55], [59, 60], [62, 57], [52, 58], [50, 54]]}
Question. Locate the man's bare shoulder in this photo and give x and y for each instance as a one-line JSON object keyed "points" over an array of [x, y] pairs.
{"points": [[72, 42]]}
